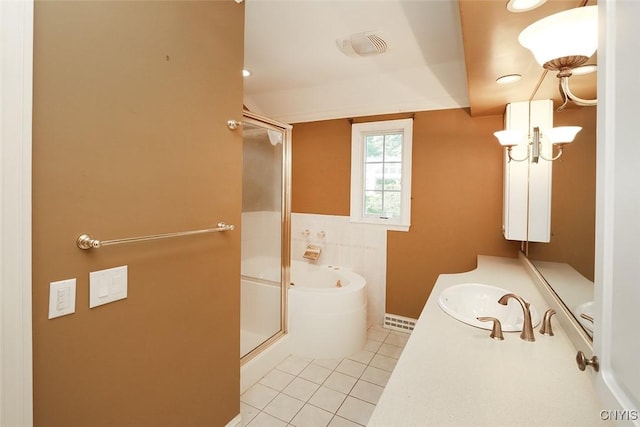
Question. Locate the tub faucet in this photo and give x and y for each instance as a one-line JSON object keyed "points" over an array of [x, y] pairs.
{"points": [[312, 252], [527, 327]]}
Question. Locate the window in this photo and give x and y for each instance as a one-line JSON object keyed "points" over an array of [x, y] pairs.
{"points": [[381, 173]]}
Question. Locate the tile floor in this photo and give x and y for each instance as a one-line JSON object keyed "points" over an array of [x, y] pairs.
{"points": [[319, 392]]}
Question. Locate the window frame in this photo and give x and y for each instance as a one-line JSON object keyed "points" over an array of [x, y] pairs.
{"points": [[358, 133]]}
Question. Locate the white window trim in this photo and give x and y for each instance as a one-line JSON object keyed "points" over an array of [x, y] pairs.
{"points": [[357, 172]]}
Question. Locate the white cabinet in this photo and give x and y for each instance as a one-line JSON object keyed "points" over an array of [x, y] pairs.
{"points": [[617, 277], [527, 185]]}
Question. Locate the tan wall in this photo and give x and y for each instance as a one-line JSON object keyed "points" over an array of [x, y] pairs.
{"points": [[456, 210], [130, 105], [573, 199], [321, 167]]}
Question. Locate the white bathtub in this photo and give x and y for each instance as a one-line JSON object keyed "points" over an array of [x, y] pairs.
{"points": [[326, 321]]}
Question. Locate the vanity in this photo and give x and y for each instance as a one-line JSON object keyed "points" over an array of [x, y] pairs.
{"points": [[453, 374]]}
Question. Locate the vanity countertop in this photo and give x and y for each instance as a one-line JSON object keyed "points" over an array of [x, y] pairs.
{"points": [[452, 374]]}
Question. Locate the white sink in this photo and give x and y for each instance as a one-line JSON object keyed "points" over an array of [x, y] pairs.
{"points": [[467, 301]]}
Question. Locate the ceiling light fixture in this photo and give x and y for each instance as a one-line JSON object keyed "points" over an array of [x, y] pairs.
{"points": [[362, 44], [559, 136], [563, 41], [509, 78], [517, 6]]}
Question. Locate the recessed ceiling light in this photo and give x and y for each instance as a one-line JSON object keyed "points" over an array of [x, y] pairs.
{"points": [[584, 69], [517, 6], [246, 73], [509, 78]]}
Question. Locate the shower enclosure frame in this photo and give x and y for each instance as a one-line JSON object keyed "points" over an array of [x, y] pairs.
{"points": [[285, 243]]}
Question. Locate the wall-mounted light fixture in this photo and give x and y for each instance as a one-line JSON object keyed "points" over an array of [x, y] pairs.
{"points": [[557, 136], [562, 42]]}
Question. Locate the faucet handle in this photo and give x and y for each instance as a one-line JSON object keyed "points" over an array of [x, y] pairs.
{"points": [[496, 332], [545, 329]]}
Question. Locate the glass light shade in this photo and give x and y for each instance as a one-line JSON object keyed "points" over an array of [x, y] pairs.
{"points": [[509, 78], [563, 134], [511, 137], [518, 6], [573, 32]]}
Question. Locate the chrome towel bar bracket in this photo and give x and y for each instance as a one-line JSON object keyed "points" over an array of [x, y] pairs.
{"points": [[86, 241]]}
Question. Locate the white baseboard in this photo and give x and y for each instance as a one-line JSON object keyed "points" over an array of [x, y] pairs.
{"points": [[235, 422]]}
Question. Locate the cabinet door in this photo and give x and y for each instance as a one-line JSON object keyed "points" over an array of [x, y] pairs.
{"points": [[616, 339], [527, 185]]}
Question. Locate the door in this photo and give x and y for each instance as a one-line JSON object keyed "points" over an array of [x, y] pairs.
{"points": [[617, 279]]}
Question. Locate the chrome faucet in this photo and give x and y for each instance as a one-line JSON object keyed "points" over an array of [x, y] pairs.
{"points": [[527, 327]]}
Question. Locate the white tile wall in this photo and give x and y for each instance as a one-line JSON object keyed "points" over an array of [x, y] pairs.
{"points": [[360, 247]]}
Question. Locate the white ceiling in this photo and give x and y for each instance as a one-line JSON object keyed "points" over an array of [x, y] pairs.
{"points": [[298, 73]]}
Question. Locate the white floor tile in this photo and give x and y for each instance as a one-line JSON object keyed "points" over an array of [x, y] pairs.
{"points": [[376, 375], [277, 379], [301, 389], [304, 392], [378, 328], [293, 365], [340, 382], [366, 391], [265, 420], [351, 367], [310, 416], [397, 338], [327, 399], [327, 363], [315, 373], [372, 345], [390, 350], [284, 407], [342, 422], [363, 356], [247, 413], [356, 410], [377, 335], [383, 362], [258, 396]]}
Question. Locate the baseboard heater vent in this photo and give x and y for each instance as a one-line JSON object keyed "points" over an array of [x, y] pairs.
{"points": [[398, 323]]}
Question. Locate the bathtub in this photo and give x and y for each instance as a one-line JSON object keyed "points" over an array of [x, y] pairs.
{"points": [[327, 311], [325, 322]]}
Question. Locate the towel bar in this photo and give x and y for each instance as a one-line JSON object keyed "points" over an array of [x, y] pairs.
{"points": [[86, 241]]}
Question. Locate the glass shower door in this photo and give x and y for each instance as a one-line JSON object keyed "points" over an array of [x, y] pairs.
{"points": [[264, 233]]}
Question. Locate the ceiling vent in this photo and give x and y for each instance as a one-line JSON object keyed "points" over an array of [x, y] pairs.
{"points": [[362, 44]]}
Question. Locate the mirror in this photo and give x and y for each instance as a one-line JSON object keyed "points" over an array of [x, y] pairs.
{"points": [[567, 262]]}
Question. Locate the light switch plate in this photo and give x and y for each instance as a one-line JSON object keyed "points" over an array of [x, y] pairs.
{"points": [[107, 286], [62, 298]]}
